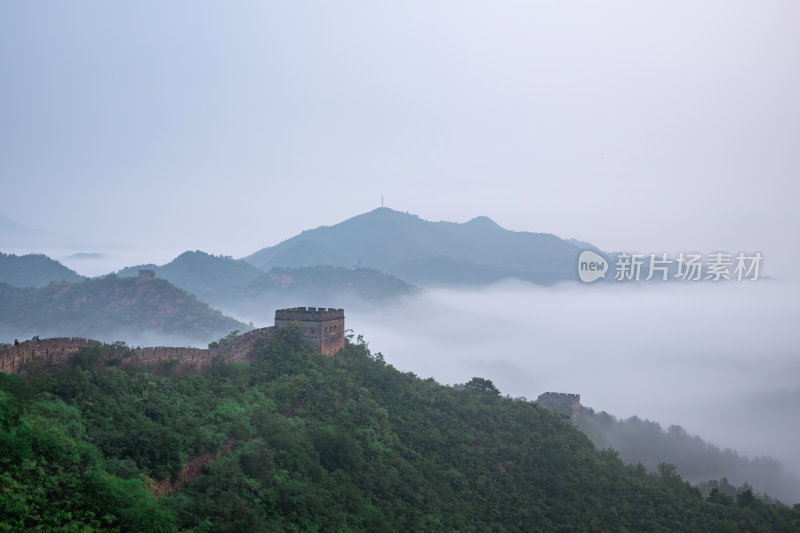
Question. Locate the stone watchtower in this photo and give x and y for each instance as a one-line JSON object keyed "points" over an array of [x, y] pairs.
{"points": [[561, 402], [146, 275], [323, 329]]}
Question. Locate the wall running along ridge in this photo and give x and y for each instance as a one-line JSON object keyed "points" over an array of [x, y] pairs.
{"points": [[61, 351], [323, 330]]}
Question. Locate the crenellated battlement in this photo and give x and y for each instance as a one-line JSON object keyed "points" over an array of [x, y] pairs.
{"points": [[61, 350], [323, 330], [14, 359], [308, 314], [562, 402], [560, 396]]}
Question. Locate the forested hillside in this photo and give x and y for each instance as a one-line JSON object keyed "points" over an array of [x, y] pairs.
{"points": [[110, 309], [239, 286], [33, 270], [213, 279], [328, 284], [644, 441], [305, 442]]}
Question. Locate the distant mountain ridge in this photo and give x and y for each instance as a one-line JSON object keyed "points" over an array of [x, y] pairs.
{"points": [[235, 283], [645, 442], [211, 278], [34, 270], [110, 308], [13, 234], [368, 258], [428, 253], [345, 287]]}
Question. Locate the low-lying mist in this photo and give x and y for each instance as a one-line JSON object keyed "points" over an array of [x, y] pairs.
{"points": [[722, 360], [719, 359]]}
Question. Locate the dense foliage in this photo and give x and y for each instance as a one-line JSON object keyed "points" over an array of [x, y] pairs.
{"points": [[52, 478], [324, 444], [644, 441], [108, 307]]}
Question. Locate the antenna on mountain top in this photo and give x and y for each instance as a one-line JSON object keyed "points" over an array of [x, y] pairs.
{"points": [[381, 201]]}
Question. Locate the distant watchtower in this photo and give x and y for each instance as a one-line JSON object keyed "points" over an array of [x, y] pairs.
{"points": [[146, 275], [561, 402], [323, 329]]}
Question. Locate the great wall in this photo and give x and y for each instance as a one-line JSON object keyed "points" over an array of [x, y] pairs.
{"points": [[562, 402], [322, 329]]}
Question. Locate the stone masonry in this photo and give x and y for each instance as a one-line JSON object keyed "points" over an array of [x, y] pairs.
{"points": [[323, 330], [562, 402]]}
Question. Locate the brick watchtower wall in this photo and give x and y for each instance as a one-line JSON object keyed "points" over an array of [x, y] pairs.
{"points": [[59, 350], [562, 402], [323, 328], [35, 354]]}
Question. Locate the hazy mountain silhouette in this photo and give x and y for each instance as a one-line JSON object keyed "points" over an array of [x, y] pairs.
{"points": [[211, 278], [236, 283], [33, 270], [645, 442], [110, 308], [14, 235], [424, 252], [328, 285]]}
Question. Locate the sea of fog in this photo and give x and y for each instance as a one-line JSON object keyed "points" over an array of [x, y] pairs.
{"points": [[721, 360]]}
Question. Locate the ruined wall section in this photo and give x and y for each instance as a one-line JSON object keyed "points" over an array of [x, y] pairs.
{"points": [[238, 350], [58, 350], [323, 329], [562, 402], [183, 360]]}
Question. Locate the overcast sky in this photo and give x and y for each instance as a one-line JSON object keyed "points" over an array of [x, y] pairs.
{"points": [[639, 126], [228, 127]]}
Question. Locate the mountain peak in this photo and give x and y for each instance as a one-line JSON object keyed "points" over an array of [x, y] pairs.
{"points": [[483, 221], [34, 270], [408, 247], [387, 212]]}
